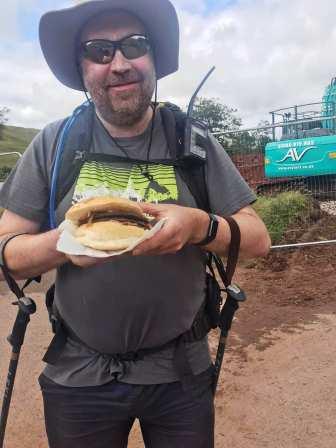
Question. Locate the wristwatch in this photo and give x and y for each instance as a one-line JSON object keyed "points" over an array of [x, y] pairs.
{"points": [[212, 231]]}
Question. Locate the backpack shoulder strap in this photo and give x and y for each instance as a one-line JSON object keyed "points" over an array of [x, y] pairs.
{"points": [[193, 172], [72, 142], [77, 143], [195, 177], [169, 123]]}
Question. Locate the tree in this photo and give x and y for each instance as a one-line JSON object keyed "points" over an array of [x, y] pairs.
{"points": [[252, 141], [221, 118], [3, 119], [262, 136], [217, 116]]}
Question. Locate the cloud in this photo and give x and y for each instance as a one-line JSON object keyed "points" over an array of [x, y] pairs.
{"points": [[32, 94], [268, 53], [194, 6], [8, 20]]}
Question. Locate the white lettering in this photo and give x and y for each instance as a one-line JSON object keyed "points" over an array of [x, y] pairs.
{"points": [[294, 155]]}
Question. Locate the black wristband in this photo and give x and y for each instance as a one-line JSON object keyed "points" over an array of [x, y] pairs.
{"points": [[3, 244], [212, 231], [13, 286]]}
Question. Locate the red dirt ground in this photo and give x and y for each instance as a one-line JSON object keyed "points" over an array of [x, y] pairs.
{"points": [[277, 387]]}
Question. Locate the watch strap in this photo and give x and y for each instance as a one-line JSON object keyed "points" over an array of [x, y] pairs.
{"points": [[212, 230]]}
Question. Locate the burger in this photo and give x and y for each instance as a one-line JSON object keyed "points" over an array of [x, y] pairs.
{"points": [[108, 223]]}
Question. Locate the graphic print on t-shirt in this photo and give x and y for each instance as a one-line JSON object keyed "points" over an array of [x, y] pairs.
{"points": [[153, 183]]}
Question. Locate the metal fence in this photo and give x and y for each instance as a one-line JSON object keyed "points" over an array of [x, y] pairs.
{"points": [[303, 202]]}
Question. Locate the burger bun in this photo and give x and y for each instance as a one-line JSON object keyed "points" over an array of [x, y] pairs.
{"points": [[83, 209], [108, 235]]}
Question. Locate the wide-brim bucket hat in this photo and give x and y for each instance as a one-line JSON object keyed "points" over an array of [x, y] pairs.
{"points": [[60, 30]]}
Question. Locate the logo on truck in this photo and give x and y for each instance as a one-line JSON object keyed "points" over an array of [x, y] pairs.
{"points": [[294, 155]]}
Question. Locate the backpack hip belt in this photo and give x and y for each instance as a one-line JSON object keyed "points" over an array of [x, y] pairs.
{"points": [[200, 328]]}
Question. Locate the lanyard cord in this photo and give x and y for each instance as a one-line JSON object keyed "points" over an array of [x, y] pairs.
{"points": [[123, 150], [152, 131], [153, 184]]}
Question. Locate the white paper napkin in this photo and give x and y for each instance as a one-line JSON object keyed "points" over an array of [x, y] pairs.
{"points": [[69, 245]]}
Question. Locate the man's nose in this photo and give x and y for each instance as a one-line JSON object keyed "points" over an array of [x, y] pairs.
{"points": [[119, 63]]}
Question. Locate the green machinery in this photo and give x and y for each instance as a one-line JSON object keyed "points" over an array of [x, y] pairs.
{"points": [[304, 139]]}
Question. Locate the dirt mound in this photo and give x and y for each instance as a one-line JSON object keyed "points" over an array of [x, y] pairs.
{"points": [[289, 286]]}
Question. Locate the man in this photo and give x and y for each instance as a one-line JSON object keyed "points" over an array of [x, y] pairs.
{"points": [[116, 50]]}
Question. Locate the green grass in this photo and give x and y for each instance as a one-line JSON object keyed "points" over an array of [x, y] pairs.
{"points": [[281, 212], [15, 139]]}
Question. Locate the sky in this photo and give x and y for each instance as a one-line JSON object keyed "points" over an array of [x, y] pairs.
{"points": [[268, 54]]}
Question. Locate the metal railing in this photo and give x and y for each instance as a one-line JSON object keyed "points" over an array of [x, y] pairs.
{"points": [[273, 126], [11, 153]]}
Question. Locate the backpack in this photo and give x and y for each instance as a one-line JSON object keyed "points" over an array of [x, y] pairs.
{"points": [[188, 143], [74, 139]]}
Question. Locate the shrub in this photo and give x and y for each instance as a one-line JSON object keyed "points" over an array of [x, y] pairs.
{"points": [[4, 172], [281, 212]]}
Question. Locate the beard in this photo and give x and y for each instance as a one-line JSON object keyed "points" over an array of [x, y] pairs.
{"points": [[122, 108]]}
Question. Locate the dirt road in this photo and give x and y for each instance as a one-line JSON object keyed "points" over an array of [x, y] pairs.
{"points": [[278, 385]]}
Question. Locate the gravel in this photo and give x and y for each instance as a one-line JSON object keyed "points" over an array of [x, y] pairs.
{"points": [[329, 207]]}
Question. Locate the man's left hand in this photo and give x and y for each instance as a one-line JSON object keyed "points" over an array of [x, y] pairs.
{"points": [[184, 225]]}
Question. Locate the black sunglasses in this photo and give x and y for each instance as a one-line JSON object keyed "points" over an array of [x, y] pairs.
{"points": [[102, 51]]}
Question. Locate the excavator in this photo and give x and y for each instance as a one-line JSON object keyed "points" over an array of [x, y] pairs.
{"points": [[301, 152], [306, 145]]}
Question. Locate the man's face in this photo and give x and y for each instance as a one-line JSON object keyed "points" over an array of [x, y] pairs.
{"points": [[121, 90]]}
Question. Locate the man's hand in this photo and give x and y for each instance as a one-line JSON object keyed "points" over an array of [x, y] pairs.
{"points": [[184, 225]]}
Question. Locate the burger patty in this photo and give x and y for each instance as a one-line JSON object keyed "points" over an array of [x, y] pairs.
{"points": [[124, 219]]}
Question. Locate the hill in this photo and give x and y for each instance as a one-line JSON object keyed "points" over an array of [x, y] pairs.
{"points": [[15, 139]]}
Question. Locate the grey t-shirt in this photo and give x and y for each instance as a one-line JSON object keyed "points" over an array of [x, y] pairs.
{"points": [[134, 302]]}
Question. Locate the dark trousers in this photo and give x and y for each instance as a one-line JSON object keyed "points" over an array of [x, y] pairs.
{"points": [[171, 416]]}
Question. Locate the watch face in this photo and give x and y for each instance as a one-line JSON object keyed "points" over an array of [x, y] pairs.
{"points": [[213, 226], [212, 230]]}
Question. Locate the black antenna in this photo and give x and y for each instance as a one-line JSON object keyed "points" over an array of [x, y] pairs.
{"points": [[193, 98]]}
